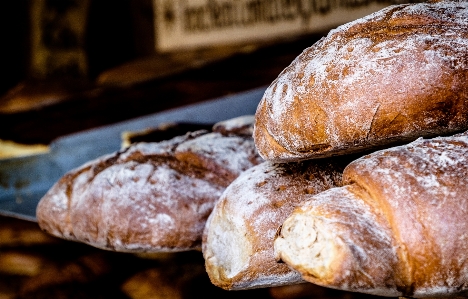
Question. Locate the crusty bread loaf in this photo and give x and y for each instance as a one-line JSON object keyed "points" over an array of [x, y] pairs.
{"points": [[398, 227], [149, 197], [238, 237], [385, 79]]}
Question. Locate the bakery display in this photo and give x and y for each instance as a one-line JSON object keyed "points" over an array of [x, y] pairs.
{"points": [[148, 197], [396, 228], [382, 80], [392, 224], [248, 215]]}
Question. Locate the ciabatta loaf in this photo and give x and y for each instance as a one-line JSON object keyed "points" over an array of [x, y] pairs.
{"points": [[149, 197], [398, 227], [382, 80], [238, 237]]}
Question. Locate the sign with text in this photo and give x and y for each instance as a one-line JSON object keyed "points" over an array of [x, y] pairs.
{"points": [[183, 24]]}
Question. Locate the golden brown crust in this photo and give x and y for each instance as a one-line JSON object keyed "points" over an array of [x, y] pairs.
{"points": [[411, 223], [390, 77], [238, 237], [149, 197], [422, 189], [341, 241]]}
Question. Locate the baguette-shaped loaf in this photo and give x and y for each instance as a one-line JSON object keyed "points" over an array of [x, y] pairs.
{"points": [[382, 80], [150, 197], [239, 234], [398, 227]]}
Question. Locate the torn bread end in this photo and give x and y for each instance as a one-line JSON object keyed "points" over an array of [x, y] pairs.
{"points": [[306, 245]]}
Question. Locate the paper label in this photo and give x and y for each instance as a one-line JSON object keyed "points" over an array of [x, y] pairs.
{"points": [[182, 24], [58, 33]]}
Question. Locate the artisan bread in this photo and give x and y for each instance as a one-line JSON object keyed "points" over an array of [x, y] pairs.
{"points": [[149, 197], [382, 80], [238, 237], [398, 226]]}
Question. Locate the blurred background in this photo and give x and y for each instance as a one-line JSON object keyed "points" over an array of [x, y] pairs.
{"points": [[73, 65]]}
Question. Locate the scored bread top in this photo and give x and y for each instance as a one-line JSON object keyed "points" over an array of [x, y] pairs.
{"points": [[390, 77], [149, 197]]}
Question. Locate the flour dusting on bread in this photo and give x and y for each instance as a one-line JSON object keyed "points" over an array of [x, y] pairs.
{"points": [[399, 223], [249, 214], [149, 197], [390, 77]]}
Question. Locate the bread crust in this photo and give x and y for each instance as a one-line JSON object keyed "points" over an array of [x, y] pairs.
{"points": [[150, 197], [239, 234], [413, 203], [336, 240], [385, 79]]}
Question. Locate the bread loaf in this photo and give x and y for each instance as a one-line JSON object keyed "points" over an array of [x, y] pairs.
{"points": [[398, 226], [385, 79], [150, 197], [238, 237]]}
